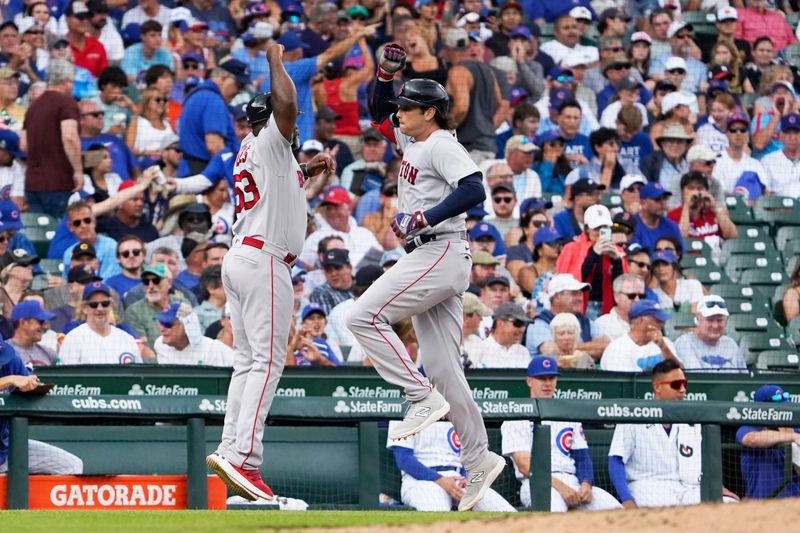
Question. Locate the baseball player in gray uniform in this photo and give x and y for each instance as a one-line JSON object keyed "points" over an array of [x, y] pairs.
{"points": [[256, 274], [438, 182]]}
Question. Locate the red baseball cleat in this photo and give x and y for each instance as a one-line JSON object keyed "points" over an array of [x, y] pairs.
{"points": [[246, 483]]}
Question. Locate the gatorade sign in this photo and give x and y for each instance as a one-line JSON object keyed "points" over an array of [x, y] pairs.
{"points": [[113, 492]]}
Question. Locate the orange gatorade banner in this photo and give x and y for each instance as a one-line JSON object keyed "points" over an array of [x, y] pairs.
{"points": [[113, 492]]}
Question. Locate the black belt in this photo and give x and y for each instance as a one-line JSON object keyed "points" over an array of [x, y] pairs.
{"points": [[446, 468], [419, 240]]}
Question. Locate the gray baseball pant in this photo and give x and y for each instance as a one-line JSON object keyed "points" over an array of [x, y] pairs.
{"points": [[45, 458], [259, 290], [426, 285]]}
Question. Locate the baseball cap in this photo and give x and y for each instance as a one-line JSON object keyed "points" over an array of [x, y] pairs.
{"points": [[30, 309], [388, 257], [157, 269], [175, 311], [77, 9], [584, 185], [291, 41], [629, 180], [612, 12], [312, 146], [169, 140], [298, 275], [665, 85], [336, 195], [676, 26], [96, 286], [510, 311], [580, 57], [581, 13], [313, 308], [521, 32], [10, 215], [97, 6], [549, 136], [238, 112], [560, 96], [664, 256], [597, 216], [712, 305], [719, 73], [771, 393], [675, 62], [371, 134], [503, 187], [336, 257], [83, 249], [700, 152], [727, 13], [565, 282], [648, 308], [180, 16], [557, 71], [238, 70], [484, 258], [541, 366], [790, 122], [628, 84], [785, 84], [534, 204], [367, 275], [715, 86], [653, 191], [641, 36], [624, 219], [259, 30], [456, 39], [473, 304], [521, 143], [674, 131], [492, 280], [82, 274], [737, 117], [545, 235], [326, 113], [484, 229], [477, 212]]}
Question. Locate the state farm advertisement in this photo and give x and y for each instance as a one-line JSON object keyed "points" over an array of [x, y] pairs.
{"points": [[113, 492]]}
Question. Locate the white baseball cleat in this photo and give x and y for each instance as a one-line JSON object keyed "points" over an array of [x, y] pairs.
{"points": [[479, 479], [420, 415]]}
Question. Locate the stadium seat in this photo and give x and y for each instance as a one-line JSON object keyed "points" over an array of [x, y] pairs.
{"points": [[696, 261], [748, 305], [697, 18], [611, 200], [793, 329], [736, 264], [792, 52], [40, 237], [753, 231], [753, 343], [738, 210], [734, 290], [39, 220], [758, 277], [786, 234], [789, 249], [749, 246], [777, 211], [778, 360], [54, 267], [679, 324], [698, 247], [740, 325], [547, 29], [709, 275]]}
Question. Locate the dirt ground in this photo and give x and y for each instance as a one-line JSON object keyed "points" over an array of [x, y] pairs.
{"points": [[773, 515]]}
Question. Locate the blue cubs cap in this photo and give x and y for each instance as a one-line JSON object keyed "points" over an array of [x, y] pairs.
{"points": [[558, 97], [541, 366], [291, 41], [749, 185], [9, 141], [737, 117], [648, 308], [790, 122], [193, 56], [10, 215], [771, 393], [534, 204], [717, 86], [484, 229], [167, 317], [557, 71], [653, 191], [521, 32], [517, 95], [238, 70], [96, 286], [545, 235], [477, 212], [664, 256], [238, 112], [549, 136], [7, 353], [313, 308], [30, 309], [131, 33]]}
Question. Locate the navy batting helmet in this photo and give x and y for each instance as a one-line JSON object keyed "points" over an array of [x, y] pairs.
{"points": [[422, 92], [259, 108]]}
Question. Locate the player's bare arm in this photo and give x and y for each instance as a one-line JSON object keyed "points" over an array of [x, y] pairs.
{"points": [[284, 94], [23, 383]]}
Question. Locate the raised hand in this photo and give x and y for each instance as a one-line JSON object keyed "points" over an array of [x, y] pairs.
{"points": [[393, 59]]}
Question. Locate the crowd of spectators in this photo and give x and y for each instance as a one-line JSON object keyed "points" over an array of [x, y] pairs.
{"points": [[120, 122]]}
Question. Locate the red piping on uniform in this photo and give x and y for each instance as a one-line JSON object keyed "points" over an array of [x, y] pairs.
{"points": [[391, 300], [269, 365]]}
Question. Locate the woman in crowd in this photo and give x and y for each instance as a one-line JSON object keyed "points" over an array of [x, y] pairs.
{"points": [[639, 54], [674, 110], [551, 163], [724, 53], [674, 290], [763, 56], [714, 132], [99, 182], [421, 62], [147, 130], [535, 255], [566, 329]]}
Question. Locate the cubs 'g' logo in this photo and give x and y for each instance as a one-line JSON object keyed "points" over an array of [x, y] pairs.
{"points": [[564, 441], [126, 358], [453, 440]]}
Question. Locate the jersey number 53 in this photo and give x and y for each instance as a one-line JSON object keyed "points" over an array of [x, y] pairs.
{"points": [[247, 194]]}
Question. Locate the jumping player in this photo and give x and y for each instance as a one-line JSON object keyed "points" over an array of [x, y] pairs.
{"points": [[438, 182], [256, 274]]}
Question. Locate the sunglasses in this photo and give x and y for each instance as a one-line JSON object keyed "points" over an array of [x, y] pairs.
{"points": [[642, 265], [737, 130], [35, 32], [79, 221], [517, 323], [539, 223], [95, 114], [716, 303], [104, 304], [619, 67], [150, 281], [175, 148], [191, 65], [3, 238], [503, 199], [677, 71], [675, 384], [619, 228], [127, 253], [634, 295], [160, 100], [783, 396], [614, 49], [564, 79]]}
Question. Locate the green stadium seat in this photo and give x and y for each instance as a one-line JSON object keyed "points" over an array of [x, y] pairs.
{"points": [[740, 325], [734, 290], [763, 277], [709, 275], [777, 211], [547, 29], [793, 329], [736, 264], [748, 99], [697, 18], [778, 360], [698, 247], [749, 246], [40, 237], [790, 248], [738, 210], [758, 305], [679, 324], [611, 200], [753, 343], [792, 52], [39, 220], [777, 294], [754, 231], [786, 234], [54, 267], [793, 18], [697, 261]]}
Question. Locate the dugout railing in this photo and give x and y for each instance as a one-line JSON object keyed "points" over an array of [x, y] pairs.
{"points": [[362, 417]]}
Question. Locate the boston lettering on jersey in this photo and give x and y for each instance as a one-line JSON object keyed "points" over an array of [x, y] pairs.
{"points": [[408, 172]]}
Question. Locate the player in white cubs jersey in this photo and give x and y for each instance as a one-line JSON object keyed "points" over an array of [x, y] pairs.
{"points": [[655, 465], [433, 478], [438, 182], [570, 464], [256, 273]]}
